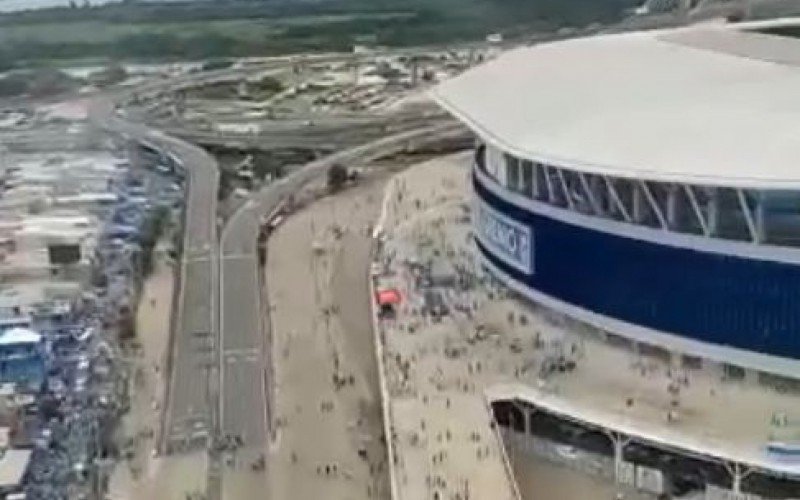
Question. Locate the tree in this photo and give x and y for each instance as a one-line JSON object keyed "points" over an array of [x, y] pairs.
{"points": [[216, 64], [224, 184], [265, 163], [109, 75], [337, 176], [6, 59], [47, 81], [13, 85]]}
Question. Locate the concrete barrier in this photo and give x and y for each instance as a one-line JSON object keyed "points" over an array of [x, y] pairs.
{"points": [[384, 391], [496, 432]]}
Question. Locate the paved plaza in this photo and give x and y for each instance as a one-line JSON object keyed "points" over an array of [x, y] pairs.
{"points": [[439, 370], [327, 423]]}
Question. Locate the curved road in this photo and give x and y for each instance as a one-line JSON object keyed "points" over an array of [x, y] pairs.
{"points": [[219, 330], [244, 401], [188, 409], [347, 134]]}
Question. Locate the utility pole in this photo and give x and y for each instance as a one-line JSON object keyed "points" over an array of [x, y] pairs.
{"points": [[355, 72], [214, 474]]}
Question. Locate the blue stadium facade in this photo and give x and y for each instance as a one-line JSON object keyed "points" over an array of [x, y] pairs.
{"points": [[700, 270]]}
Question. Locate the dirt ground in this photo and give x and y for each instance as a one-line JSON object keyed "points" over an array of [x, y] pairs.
{"points": [[327, 406], [146, 476]]}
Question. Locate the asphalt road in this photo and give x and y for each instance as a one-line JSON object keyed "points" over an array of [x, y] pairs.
{"points": [[243, 330], [333, 136], [223, 279], [188, 413], [240, 397]]}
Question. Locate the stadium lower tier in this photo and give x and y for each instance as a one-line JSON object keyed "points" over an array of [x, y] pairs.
{"points": [[726, 306]]}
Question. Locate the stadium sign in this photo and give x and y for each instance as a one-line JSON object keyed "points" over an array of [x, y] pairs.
{"points": [[509, 240]]}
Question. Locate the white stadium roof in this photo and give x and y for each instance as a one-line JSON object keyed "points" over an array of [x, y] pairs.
{"points": [[709, 104]]}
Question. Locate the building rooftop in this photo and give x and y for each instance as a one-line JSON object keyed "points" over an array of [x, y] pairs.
{"points": [[19, 336], [709, 104], [13, 464], [689, 439], [34, 292]]}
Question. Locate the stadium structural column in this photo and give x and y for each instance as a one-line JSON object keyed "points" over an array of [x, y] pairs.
{"points": [[526, 411], [598, 190], [738, 472], [590, 194], [619, 442], [748, 216], [713, 211], [651, 200], [701, 219], [549, 184], [565, 189], [672, 206], [761, 232], [614, 196], [638, 204]]}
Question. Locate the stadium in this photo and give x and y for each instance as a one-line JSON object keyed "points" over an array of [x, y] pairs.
{"points": [[646, 185]]}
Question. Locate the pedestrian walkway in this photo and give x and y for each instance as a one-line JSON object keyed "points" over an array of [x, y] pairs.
{"points": [[449, 346]]}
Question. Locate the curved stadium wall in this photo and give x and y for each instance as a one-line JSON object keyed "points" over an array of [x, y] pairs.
{"points": [[703, 270]]}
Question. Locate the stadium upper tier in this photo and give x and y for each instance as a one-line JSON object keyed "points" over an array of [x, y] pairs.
{"points": [[706, 105]]}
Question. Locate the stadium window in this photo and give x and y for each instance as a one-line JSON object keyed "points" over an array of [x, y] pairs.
{"points": [[576, 192], [625, 191], [555, 186], [778, 215], [512, 173], [539, 182], [731, 220], [685, 217], [527, 178]]}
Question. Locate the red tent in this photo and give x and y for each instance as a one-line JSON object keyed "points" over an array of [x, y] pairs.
{"points": [[389, 296]]}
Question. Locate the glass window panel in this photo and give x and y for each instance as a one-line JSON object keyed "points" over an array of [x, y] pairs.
{"points": [[527, 178], [780, 216], [541, 182], [577, 193], [557, 189], [685, 220], [731, 223], [512, 173]]}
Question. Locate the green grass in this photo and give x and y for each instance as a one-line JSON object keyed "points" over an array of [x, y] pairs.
{"points": [[244, 30], [146, 32]]}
